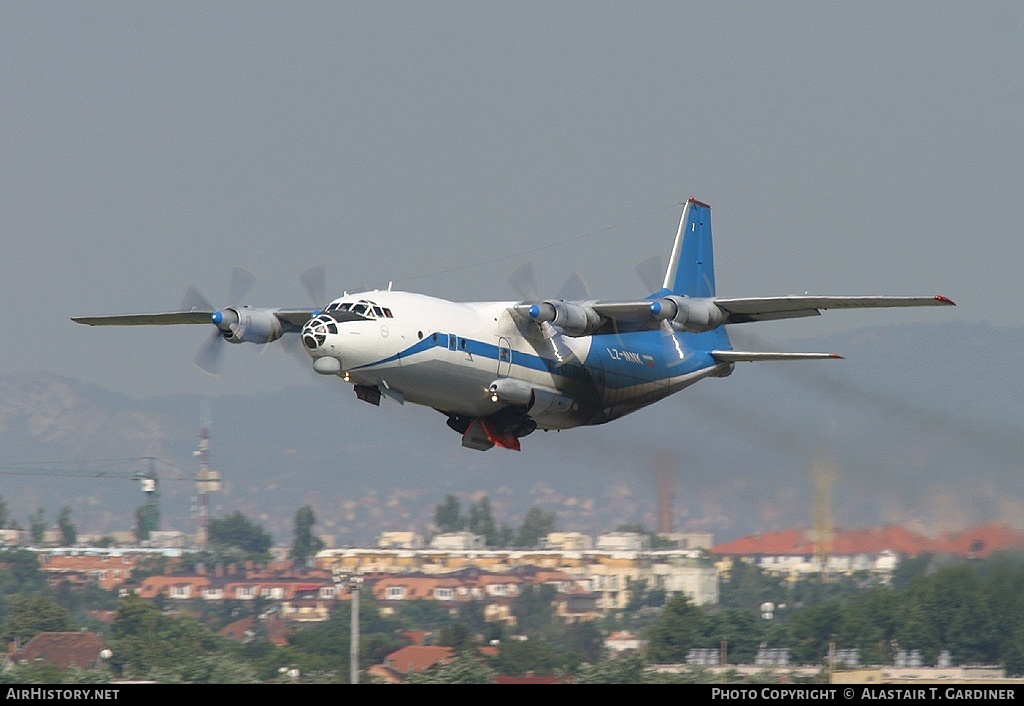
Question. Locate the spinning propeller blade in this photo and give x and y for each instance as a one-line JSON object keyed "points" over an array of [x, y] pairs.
{"points": [[651, 272], [314, 281]]}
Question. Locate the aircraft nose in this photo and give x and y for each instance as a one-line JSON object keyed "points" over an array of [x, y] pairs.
{"points": [[314, 331]]}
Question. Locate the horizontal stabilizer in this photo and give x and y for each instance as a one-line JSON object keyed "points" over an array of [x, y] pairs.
{"points": [[756, 356]]}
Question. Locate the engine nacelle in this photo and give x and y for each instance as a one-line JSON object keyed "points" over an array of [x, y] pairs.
{"points": [[244, 325], [537, 400], [695, 315], [573, 319]]}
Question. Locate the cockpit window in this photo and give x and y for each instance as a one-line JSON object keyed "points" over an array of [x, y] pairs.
{"points": [[364, 308]]}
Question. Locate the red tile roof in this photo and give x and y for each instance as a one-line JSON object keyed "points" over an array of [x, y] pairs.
{"points": [[981, 541], [417, 658], [64, 649], [245, 629], [974, 541]]}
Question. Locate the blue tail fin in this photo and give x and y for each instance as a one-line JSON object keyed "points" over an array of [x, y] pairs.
{"points": [[691, 268]]}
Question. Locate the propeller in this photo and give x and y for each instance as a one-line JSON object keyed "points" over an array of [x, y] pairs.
{"points": [[211, 354], [574, 289], [651, 272], [314, 281], [241, 282], [524, 283]]}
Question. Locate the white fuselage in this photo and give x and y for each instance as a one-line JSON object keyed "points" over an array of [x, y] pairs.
{"points": [[446, 355]]}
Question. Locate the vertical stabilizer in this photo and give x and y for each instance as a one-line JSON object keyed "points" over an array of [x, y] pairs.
{"points": [[691, 268]]}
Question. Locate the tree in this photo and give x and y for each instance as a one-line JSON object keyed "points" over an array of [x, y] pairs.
{"points": [[68, 532], [536, 525], [147, 520], [37, 525], [20, 572], [464, 669], [306, 544], [518, 657], [677, 631], [640, 596], [31, 615], [747, 587], [482, 522], [582, 641], [623, 670], [812, 628], [324, 647], [238, 531], [448, 517], [742, 630], [656, 540], [149, 644], [456, 635], [534, 608]]}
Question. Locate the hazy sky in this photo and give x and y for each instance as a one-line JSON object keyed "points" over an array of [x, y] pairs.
{"points": [[865, 148]]}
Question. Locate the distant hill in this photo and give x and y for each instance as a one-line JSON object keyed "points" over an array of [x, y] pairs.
{"points": [[922, 423]]}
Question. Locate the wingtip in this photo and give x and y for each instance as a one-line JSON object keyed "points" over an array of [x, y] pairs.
{"points": [[945, 300]]}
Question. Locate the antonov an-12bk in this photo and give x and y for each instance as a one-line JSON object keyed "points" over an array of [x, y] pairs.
{"points": [[501, 370]]}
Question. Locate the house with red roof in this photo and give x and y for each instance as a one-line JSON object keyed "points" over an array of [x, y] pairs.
{"points": [[981, 541], [86, 650], [872, 549], [793, 551], [271, 628], [411, 659]]}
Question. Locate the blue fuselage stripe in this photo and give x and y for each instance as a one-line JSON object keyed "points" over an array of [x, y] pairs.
{"points": [[623, 360]]}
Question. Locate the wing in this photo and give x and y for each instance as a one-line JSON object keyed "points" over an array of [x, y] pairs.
{"points": [[694, 314], [163, 318], [231, 324], [773, 308], [294, 317]]}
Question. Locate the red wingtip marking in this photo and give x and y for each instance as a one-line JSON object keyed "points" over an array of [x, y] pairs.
{"points": [[945, 300], [837, 356]]}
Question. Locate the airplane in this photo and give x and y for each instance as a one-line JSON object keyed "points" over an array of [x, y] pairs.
{"points": [[500, 370]]}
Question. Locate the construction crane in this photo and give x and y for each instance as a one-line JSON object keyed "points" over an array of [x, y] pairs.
{"points": [[148, 516], [824, 474]]}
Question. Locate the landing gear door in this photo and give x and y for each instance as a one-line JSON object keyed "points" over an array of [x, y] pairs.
{"points": [[504, 357]]}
